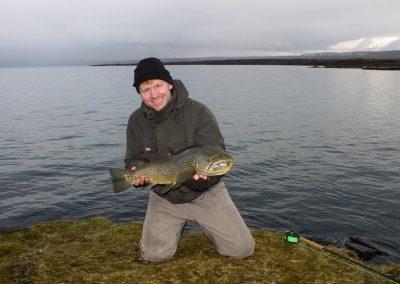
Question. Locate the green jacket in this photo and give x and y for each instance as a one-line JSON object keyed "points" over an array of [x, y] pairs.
{"points": [[183, 122]]}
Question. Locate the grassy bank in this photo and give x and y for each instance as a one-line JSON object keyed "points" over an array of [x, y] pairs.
{"points": [[99, 251]]}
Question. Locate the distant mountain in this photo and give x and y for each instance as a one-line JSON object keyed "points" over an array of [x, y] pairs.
{"points": [[380, 55], [392, 54]]}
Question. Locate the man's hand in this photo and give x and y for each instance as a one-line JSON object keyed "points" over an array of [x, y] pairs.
{"points": [[140, 181], [200, 176]]}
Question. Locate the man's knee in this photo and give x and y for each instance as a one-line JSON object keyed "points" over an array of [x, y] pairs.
{"points": [[241, 249], [156, 257], [246, 249], [156, 254]]}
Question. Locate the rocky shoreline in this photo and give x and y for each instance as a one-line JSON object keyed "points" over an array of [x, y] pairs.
{"points": [[366, 64]]}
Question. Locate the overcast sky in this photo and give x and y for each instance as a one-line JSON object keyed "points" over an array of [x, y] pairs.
{"points": [[94, 31]]}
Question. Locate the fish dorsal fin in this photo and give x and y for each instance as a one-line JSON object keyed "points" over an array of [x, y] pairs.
{"points": [[140, 164]]}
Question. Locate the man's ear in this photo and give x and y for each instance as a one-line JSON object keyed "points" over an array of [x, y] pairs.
{"points": [[170, 86]]}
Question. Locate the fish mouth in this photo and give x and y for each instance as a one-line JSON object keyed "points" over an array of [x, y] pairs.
{"points": [[219, 168], [220, 165]]}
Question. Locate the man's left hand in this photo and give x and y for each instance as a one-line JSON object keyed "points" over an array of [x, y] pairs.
{"points": [[200, 177]]}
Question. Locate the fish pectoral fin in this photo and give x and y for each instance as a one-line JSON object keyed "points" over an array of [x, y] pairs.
{"points": [[167, 188]]}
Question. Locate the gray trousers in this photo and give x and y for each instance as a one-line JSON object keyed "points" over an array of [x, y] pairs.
{"points": [[213, 210]]}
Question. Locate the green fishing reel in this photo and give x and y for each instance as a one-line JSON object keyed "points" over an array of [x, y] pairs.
{"points": [[291, 237]]}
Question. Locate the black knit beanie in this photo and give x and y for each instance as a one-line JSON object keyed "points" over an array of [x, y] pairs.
{"points": [[148, 69]]}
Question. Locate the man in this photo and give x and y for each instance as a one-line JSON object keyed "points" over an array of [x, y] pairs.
{"points": [[166, 122]]}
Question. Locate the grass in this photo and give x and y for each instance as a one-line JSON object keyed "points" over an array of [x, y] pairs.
{"points": [[97, 250]]}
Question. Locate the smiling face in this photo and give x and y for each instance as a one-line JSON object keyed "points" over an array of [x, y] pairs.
{"points": [[155, 93]]}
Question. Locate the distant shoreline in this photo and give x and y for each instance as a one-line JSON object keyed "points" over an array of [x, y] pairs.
{"points": [[368, 64]]}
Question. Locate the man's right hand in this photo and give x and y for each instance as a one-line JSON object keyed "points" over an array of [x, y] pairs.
{"points": [[140, 181]]}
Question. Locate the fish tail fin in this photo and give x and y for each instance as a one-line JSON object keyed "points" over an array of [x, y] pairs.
{"points": [[120, 179]]}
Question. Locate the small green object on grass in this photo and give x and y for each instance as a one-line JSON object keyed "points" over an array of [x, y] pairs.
{"points": [[291, 237]]}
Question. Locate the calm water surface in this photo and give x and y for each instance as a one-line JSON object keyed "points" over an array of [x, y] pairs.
{"points": [[316, 150]]}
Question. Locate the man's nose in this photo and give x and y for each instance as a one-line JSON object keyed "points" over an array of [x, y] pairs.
{"points": [[153, 92]]}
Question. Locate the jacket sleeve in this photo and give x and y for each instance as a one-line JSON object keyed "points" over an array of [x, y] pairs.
{"points": [[207, 134], [133, 154]]}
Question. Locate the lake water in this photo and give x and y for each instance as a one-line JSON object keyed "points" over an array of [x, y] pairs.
{"points": [[316, 150]]}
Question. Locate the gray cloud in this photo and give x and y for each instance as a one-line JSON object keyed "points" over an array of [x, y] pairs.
{"points": [[61, 31]]}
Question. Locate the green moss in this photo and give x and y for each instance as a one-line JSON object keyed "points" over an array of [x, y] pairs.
{"points": [[99, 251]]}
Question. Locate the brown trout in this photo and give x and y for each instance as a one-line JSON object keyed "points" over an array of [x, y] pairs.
{"points": [[173, 170]]}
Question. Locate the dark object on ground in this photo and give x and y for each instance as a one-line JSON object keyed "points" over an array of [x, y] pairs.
{"points": [[364, 253]]}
